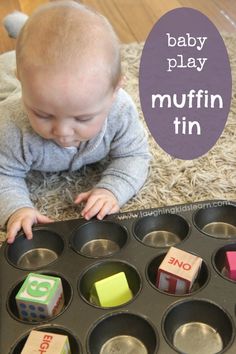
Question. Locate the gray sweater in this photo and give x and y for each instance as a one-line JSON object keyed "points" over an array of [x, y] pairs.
{"points": [[122, 138]]}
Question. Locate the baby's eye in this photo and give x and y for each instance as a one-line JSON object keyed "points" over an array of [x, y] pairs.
{"points": [[42, 116], [83, 120]]}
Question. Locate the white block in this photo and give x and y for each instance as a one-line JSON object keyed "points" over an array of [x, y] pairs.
{"points": [[46, 343], [40, 297], [178, 271]]}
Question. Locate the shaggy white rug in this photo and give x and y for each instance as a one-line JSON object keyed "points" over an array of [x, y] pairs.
{"points": [[171, 181]]}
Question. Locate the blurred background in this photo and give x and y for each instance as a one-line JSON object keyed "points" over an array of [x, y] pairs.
{"points": [[132, 19]]}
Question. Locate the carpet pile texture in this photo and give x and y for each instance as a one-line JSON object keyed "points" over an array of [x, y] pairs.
{"points": [[171, 181]]}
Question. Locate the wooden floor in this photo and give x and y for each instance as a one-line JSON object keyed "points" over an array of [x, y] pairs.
{"points": [[132, 19]]}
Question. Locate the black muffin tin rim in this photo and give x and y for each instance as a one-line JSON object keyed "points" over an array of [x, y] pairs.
{"points": [[204, 300], [152, 215], [47, 327], [20, 282], [92, 221], [98, 263], [122, 312], [35, 228], [213, 256], [178, 295], [210, 204]]}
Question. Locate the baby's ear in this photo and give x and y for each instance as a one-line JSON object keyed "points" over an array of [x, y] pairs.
{"points": [[14, 22], [16, 73], [120, 83]]}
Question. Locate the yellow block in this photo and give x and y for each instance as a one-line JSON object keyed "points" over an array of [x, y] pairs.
{"points": [[111, 291]]}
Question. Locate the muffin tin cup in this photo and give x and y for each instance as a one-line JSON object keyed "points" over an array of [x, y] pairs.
{"points": [[161, 230], [201, 280], [219, 260], [123, 332], [217, 221], [106, 269], [198, 327], [75, 345], [45, 248], [12, 306], [99, 239]]}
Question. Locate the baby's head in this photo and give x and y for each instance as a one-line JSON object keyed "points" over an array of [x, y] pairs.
{"points": [[68, 62]]}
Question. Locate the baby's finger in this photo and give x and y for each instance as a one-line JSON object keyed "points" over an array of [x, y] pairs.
{"points": [[43, 219], [12, 230], [105, 210], [114, 209], [82, 197], [27, 227], [90, 203], [92, 208]]}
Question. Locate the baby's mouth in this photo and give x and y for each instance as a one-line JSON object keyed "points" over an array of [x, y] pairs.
{"points": [[65, 143]]}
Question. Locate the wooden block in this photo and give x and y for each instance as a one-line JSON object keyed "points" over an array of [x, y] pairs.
{"points": [[111, 291], [40, 297], [231, 264], [47, 343], [177, 272]]}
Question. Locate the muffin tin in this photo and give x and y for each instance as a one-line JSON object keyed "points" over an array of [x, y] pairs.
{"points": [[82, 252]]}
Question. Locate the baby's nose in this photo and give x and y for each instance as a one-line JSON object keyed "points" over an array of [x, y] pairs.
{"points": [[62, 129]]}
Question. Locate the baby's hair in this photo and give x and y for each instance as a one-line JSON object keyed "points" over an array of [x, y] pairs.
{"points": [[63, 31]]}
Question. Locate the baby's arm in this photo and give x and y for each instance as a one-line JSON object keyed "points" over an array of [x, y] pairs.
{"points": [[120, 181], [129, 155], [17, 211], [128, 168], [16, 208], [24, 219]]}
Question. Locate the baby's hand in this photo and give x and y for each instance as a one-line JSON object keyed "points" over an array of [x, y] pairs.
{"points": [[24, 218], [99, 201]]}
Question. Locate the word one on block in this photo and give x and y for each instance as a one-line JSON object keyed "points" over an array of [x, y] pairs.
{"points": [[40, 297], [111, 291], [178, 271], [46, 343], [231, 264]]}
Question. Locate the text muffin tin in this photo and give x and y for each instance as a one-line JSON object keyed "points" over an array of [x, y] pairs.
{"points": [[82, 252]]}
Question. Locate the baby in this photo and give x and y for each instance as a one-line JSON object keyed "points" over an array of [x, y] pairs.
{"points": [[72, 112]]}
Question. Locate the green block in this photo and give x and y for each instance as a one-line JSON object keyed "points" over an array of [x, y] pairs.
{"points": [[38, 287], [111, 291], [40, 297]]}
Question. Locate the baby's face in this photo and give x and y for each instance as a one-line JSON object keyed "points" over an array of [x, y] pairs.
{"points": [[64, 107]]}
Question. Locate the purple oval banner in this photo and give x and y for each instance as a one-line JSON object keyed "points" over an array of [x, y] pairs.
{"points": [[185, 83]]}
